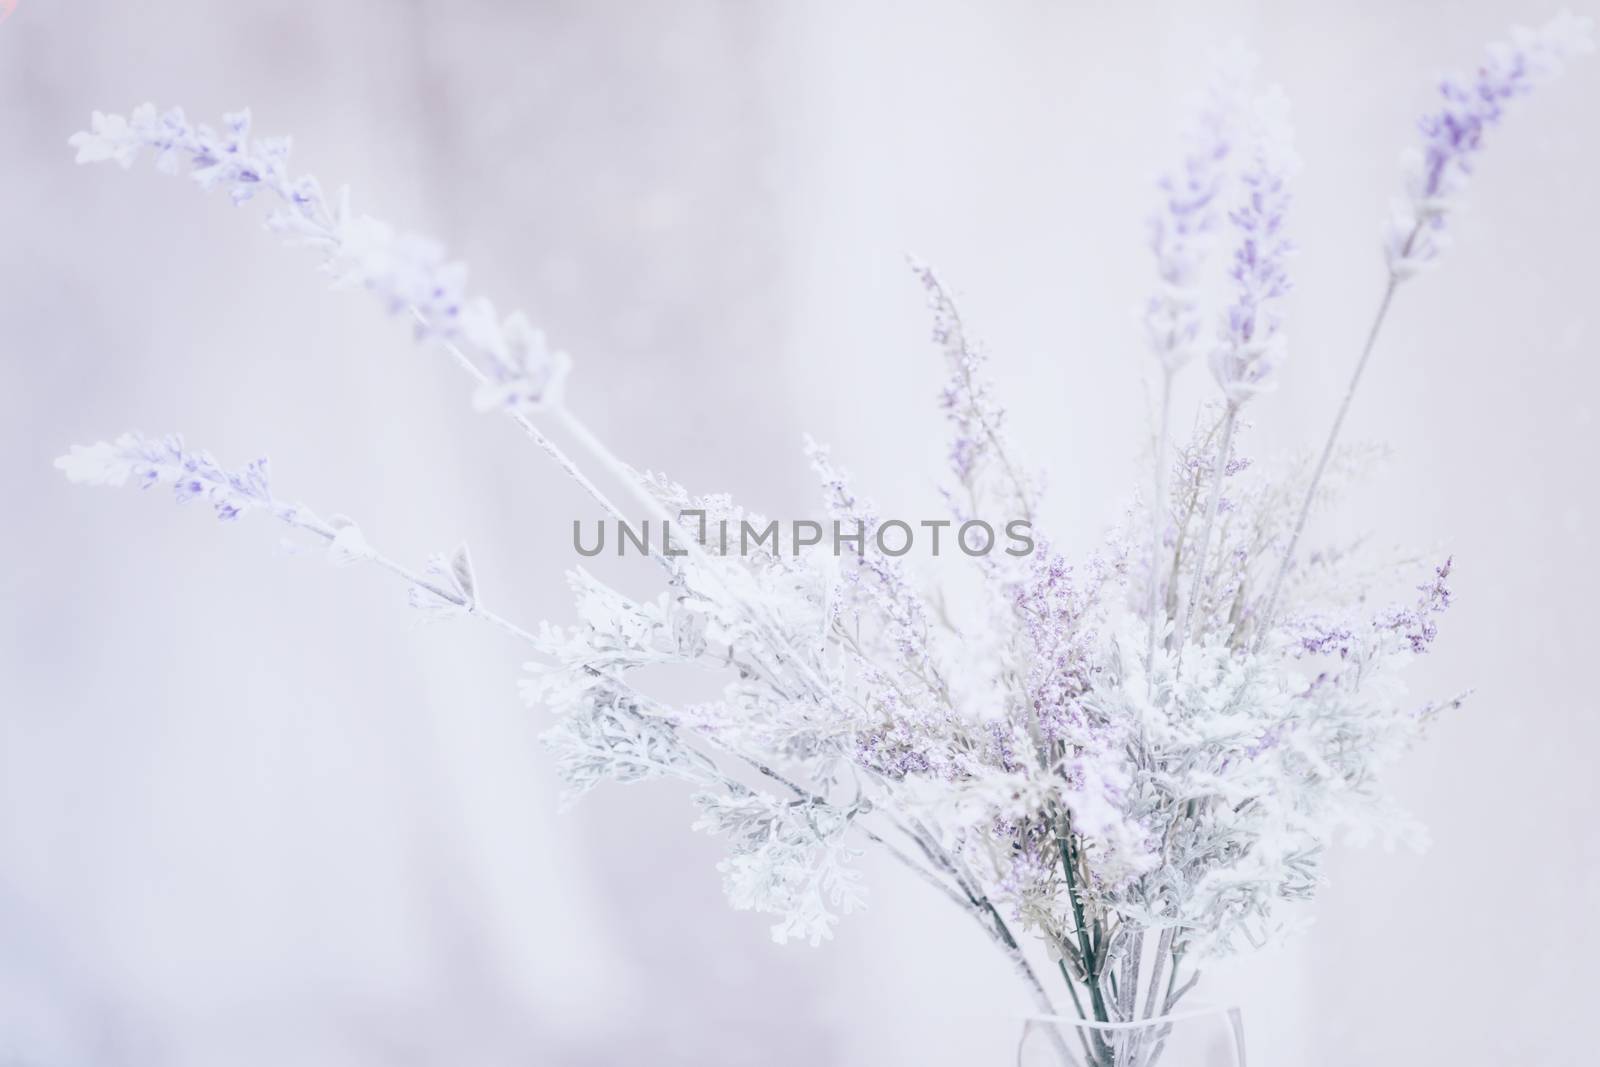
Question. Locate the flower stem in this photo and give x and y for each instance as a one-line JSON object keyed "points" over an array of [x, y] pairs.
{"points": [[328, 534], [1158, 522], [1287, 561], [550, 448], [1218, 473], [1090, 963], [1163, 949]]}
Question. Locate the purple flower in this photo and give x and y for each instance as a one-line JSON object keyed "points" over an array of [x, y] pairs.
{"points": [[1251, 344], [1182, 228], [193, 474], [1409, 627], [1417, 625], [894, 751], [978, 449], [1055, 611], [1317, 637], [408, 274], [1452, 136]]}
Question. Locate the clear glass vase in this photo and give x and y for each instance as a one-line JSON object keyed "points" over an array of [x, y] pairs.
{"points": [[1199, 1037]]}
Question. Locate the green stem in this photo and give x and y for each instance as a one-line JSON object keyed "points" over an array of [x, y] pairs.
{"points": [[1090, 963], [1077, 1006]]}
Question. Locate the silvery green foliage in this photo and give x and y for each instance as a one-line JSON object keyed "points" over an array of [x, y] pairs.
{"points": [[790, 859], [608, 729], [1162, 737]]}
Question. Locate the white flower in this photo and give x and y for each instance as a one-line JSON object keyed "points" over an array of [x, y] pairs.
{"points": [[112, 137], [101, 463]]}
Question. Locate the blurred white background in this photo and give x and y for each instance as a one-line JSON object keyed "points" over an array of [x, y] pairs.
{"points": [[251, 813]]}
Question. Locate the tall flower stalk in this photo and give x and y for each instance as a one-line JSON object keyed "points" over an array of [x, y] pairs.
{"points": [[1181, 234], [1251, 339], [1041, 758], [1436, 175]]}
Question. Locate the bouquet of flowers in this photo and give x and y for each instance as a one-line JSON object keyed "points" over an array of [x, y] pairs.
{"points": [[1137, 759]]}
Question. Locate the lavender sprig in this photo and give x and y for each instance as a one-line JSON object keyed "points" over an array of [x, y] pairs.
{"points": [[1181, 234], [193, 475], [406, 273], [1251, 340], [448, 587], [980, 454], [1453, 136], [1437, 171], [1183, 228]]}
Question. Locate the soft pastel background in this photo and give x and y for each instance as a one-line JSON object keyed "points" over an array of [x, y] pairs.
{"points": [[252, 813]]}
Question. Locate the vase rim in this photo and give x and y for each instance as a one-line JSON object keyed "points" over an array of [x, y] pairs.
{"points": [[1196, 1011]]}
